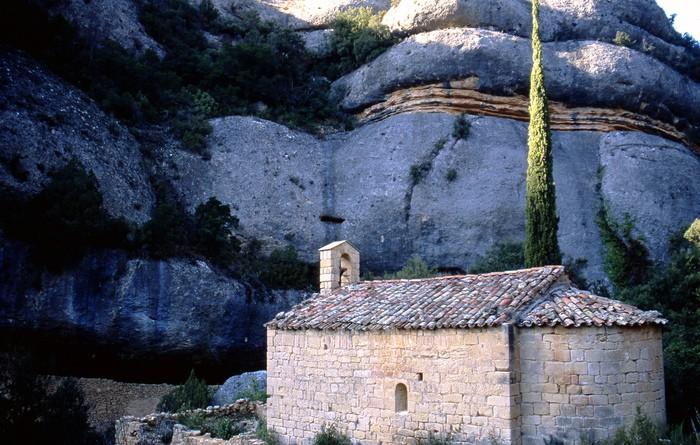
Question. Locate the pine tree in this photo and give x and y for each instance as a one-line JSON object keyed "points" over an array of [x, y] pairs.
{"points": [[541, 246]]}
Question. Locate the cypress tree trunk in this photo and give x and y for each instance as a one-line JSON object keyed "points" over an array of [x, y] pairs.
{"points": [[541, 246]]}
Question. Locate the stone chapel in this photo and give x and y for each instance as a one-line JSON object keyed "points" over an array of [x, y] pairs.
{"points": [[507, 357]]}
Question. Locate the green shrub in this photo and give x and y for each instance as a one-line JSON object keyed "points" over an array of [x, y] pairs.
{"points": [[419, 172], [193, 394], [503, 256], [223, 428], [329, 435], [218, 426], [623, 39], [461, 128], [358, 37], [168, 232], [451, 175], [262, 433], [626, 259], [209, 233], [415, 268]]}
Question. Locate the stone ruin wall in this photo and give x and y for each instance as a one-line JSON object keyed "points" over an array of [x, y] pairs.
{"points": [[551, 382], [349, 379], [588, 379]]}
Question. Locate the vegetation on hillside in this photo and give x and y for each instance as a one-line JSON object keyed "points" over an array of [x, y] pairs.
{"points": [[358, 37], [672, 289], [33, 410], [258, 69], [541, 246]]}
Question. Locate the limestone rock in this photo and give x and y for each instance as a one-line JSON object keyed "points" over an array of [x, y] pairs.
{"points": [[653, 181], [44, 122], [234, 386], [272, 176], [368, 185], [452, 223], [116, 20], [559, 19], [577, 73], [298, 14]]}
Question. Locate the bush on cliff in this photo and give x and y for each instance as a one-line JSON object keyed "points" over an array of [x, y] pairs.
{"points": [[358, 38], [193, 394], [284, 270]]}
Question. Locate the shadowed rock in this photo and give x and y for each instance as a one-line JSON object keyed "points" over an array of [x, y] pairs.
{"points": [[45, 122]]}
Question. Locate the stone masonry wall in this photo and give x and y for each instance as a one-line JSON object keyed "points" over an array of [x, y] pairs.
{"points": [[458, 382], [588, 380]]}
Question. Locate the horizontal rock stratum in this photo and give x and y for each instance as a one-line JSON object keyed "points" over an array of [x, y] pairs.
{"points": [[586, 73]]}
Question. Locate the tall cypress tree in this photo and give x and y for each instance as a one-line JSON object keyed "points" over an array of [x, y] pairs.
{"points": [[541, 246]]}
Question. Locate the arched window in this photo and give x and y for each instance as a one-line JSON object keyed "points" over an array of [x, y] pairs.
{"points": [[345, 269], [401, 398]]}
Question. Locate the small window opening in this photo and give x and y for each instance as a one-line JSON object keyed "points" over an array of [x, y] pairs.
{"points": [[401, 398], [345, 269], [419, 376]]}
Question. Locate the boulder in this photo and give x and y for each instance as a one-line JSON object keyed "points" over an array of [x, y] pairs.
{"points": [[235, 387], [45, 122], [576, 73]]}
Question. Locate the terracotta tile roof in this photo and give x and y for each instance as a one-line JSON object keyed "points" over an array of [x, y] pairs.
{"points": [[527, 297], [574, 307]]}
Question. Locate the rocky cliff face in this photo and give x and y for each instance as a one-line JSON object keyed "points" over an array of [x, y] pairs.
{"points": [[99, 20], [620, 118], [116, 307], [44, 123]]}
